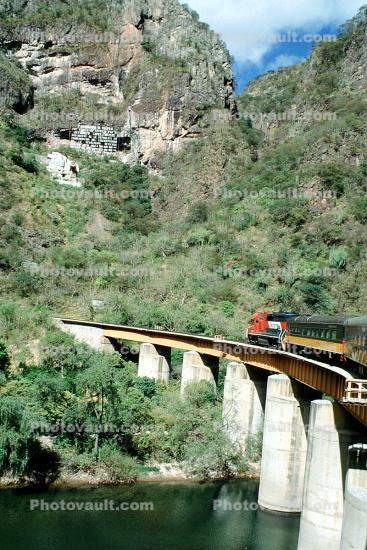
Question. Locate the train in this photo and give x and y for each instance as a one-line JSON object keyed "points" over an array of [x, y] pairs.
{"points": [[341, 337]]}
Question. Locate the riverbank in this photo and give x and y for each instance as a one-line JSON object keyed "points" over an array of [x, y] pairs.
{"points": [[154, 473]]}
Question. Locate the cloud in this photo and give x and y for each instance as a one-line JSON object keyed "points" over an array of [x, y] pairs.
{"points": [[250, 28], [283, 60]]}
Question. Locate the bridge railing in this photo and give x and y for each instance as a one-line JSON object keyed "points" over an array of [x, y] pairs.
{"points": [[355, 392]]}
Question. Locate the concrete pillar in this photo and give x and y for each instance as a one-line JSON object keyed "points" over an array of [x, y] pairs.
{"points": [[92, 336], [284, 446], [332, 431], [243, 401], [197, 367], [354, 529], [152, 364]]}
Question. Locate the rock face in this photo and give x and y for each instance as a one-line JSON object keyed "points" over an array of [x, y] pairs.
{"points": [[63, 169], [148, 69], [16, 90]]}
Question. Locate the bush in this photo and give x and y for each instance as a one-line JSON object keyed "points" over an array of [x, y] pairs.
{"points": [[200, 236], [25, 160], [198, 213], [359, 208], [245, 221], [331, 53], [21, 454], [227, 308], [254, 447], [4, 358], [213, 456], [333, 176], [11, 234], [289, 212], [200, 393], [338, 258], [253, 137], [147, 386], [71, 257], [43, 466], [26, 284], [147, 45], [121, 467]]}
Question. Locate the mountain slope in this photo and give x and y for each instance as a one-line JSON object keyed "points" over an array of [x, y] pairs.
{"points": [[149, 71], [268, 210]]}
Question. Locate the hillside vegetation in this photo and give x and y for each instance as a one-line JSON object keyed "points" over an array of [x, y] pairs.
{"points": [[267, 211]]}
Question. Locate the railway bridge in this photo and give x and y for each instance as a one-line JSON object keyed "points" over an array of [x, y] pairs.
{"points": [[313, 417]]}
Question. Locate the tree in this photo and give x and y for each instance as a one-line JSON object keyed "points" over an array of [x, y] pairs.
{"points": [[21, 453], [4, 358], [96, 385], [53, 395], [62, 354]]}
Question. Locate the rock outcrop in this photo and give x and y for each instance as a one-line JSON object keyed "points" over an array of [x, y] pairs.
{"points": [[16, 89], [148, 69], [62, 169]]}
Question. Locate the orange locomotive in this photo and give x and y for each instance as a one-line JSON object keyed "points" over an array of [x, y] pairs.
{"points": [[269, 329]]}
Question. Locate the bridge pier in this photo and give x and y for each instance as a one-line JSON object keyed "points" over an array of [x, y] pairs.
{"points": [[154, 362], [92, 336], [354, 530], [331, 433], [243, 401], [197, 367], [284, 446]]}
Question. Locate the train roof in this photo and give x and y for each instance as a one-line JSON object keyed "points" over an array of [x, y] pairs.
{"points": [[323, 319], [280, 315], [357, 321]]}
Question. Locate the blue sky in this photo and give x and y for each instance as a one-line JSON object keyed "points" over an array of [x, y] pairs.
{"points": [[268, 34], [281, 54]]}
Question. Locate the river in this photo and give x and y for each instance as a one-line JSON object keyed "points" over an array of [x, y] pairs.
{"points": [[159, 516]]}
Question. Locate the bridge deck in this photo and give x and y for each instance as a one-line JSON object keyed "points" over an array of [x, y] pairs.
{"points": [[327, 379]]}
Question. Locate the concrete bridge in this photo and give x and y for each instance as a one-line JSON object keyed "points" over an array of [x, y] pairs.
{"points": [[314, 458]]}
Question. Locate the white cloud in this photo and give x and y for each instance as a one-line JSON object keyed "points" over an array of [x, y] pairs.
{"points": [[247, 26], [283, 60]]}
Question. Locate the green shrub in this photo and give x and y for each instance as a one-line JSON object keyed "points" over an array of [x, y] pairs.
{"points": [[147, 44], [214, 456], [254, 447], [331, 53], [289, 212], [25, 160], [21, 454], [245, 221], [359, 208], [227, 308], [121, 468], [4, 357], [338, 258], [11, 234], [43, 466], [70, 257], [27, 284], [200, 236], [198, 213], [333, 176], [200, 393], [147, 386]]}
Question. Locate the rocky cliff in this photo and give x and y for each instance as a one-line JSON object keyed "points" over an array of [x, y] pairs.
{"points": [[132, 77]]}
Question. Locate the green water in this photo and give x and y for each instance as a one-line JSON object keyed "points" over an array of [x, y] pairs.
{"points": [[182, 518]]}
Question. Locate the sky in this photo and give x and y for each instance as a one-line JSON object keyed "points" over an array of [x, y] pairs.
{"points": [[265, 35]]}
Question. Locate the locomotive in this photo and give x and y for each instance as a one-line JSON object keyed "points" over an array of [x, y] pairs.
{"points": [[269, 329], [341, 336]]}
